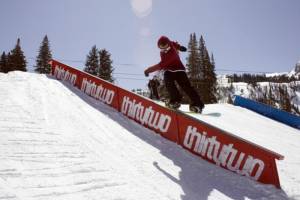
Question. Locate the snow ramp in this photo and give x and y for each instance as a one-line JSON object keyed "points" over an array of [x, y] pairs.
{"points": [[59, 143], [202, 139]]}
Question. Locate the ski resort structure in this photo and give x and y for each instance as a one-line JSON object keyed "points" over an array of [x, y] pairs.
{"points": [[203, 139]]}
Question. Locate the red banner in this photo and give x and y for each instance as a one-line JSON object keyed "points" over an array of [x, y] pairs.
{"points": [[93, 86], [204, 140], [149, 114], [228, 151]]}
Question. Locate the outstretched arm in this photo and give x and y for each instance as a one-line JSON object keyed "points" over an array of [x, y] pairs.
{"points": [[151, 69]]}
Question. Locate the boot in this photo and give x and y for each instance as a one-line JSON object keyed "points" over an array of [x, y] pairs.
{"points": [[172, 105], [196, 109]]}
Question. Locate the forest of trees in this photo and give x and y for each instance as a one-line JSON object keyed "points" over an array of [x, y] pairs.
{"points": [[13, 60], [278, 95], [99, 63], [201, 69], [254, 78], [281, 92]]}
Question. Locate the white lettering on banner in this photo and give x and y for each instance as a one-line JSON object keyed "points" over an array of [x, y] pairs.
{"points": [[97, 91], [222, 154], [62, 74], [146, 116]]}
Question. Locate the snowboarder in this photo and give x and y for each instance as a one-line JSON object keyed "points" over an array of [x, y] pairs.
{"points": [[174, 71], [153, 88]]}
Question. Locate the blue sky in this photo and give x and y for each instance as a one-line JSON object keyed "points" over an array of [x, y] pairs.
{"points": [[244, 35]]}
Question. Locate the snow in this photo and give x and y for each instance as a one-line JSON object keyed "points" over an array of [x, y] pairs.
{"points": [[276, 74], [57, 143], [289, 74]]}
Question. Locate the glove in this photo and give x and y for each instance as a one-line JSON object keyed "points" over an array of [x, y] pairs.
{"points": [[146, 73], [182, 48]]}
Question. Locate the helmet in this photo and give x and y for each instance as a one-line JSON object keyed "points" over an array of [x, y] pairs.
{"points": [[163, 42]]}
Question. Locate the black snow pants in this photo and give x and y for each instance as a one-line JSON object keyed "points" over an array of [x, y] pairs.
{"points": [[182, 80]]}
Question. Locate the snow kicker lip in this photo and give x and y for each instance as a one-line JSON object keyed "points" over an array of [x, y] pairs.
{"points": [[204, 140]]}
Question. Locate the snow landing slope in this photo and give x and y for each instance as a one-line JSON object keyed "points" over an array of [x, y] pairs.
{"points": [[57, 143]]}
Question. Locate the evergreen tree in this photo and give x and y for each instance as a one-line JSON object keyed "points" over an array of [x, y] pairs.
{"points": [[193, 67], [3, 63], [44, 57], [106, 68], [212, 77], [208, 76], [193, 59], [201, 70], [92, 62], [9, 63], [17, 59], [202, 63], [284, 99], [270, 96], [287, 101]]}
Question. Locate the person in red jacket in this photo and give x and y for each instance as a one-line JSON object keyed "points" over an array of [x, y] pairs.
{"points": [[174, 71]]}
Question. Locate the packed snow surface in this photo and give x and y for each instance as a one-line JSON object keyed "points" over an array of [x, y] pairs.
{"points": [[57, 143]]}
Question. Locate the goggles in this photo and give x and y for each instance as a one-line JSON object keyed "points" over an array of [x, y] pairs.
{"points": [[164, 48]]}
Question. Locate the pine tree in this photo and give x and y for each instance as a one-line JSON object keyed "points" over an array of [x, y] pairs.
{"points": [[212, 80], [284, 99], [208, 76], [193, 68], [203, 68], [17, 59], [44, 57], [270, 96], [106, 68], [193, 59], [3, 63], [9, 63], [92, 62]]}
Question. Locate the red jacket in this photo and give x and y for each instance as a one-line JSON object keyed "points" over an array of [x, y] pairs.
{"points": [[170, 60]]}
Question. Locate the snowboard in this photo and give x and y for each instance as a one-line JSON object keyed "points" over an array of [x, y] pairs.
{"points": [[191, 113]]}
